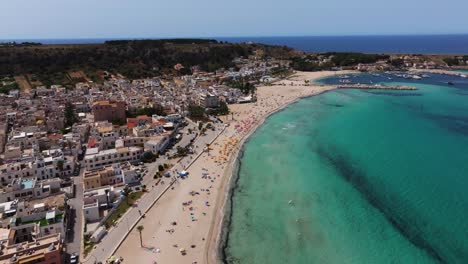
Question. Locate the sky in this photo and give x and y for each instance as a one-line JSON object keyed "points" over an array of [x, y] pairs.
{"points": [[42, 19]]}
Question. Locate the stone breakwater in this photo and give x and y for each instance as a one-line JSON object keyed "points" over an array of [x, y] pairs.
{"points": [[376, 86]]}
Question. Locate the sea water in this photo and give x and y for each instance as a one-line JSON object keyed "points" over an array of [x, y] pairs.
{"points": [[357, 176]]}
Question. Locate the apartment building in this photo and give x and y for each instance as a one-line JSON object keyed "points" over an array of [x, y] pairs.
{"points": [[28, 188], [95, 159], [44, 250], [109, 111], [115, 174]]}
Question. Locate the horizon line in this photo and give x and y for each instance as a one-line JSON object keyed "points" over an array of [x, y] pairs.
{"points": [[246, 36]]}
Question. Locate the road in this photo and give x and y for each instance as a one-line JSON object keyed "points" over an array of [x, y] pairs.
{"points": [[75, 224], [110, 243]]}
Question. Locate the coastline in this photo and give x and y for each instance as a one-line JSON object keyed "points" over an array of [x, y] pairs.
{"points": [[218, 241], [198, 229]]}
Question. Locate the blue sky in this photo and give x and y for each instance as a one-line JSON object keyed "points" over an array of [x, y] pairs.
{"points": [[22, 19]]}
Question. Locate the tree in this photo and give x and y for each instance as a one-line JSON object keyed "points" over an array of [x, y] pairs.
{"points": [[451, 61], [140, 229], [182, 151], [223, 108], [126, 192], [398, 63], [196, 111], [60, 165], [243, 84], [69, 113], [148, 156], [160, 167]]}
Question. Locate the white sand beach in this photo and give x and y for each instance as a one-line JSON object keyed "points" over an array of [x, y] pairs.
{"points": [[197, 223]]}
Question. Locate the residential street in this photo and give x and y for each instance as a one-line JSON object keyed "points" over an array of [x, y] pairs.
{"points": [[75, 225]]}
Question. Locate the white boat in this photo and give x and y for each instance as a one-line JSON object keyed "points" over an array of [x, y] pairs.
{"points": [[416, 77], [463, 76]]}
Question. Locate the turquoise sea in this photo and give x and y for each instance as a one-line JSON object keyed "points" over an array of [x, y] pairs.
{"points": [[357, 176]]}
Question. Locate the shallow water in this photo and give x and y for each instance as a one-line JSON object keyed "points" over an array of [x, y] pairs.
{"points": [[372, 176]]}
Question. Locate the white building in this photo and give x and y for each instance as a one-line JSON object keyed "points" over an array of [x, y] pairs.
{"points": [[54, 164], [208, 100], [97, 159], [94, 201], [157, 144], [25, 189]]}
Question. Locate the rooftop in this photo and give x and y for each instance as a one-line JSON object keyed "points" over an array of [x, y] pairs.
{"points": [[26, 252], [27, 183]]}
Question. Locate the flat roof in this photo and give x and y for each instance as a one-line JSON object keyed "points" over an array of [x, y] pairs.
{"points": [[92, 151], [50, 215], [27, 184]]}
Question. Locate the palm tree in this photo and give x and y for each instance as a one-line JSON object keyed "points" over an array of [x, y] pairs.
{"points": [[140, 228], [126, 192]]}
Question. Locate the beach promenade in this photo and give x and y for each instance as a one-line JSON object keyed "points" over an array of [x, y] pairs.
{"points": [[131, 218]]}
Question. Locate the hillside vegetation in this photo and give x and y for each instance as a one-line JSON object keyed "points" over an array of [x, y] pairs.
{"points": [[131, 58]]}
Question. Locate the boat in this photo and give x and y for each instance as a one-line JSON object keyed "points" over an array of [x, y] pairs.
{"points": [[416, 77], [450, 83], [463, 76]]}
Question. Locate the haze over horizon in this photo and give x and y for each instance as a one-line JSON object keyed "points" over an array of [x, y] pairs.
{"points": [[49, 19]]}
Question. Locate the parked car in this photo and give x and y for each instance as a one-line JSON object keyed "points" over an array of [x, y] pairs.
{"points": [[74, 259]]}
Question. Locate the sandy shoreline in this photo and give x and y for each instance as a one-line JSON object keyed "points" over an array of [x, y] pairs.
{"points": [[199, 222], [221, 223]]}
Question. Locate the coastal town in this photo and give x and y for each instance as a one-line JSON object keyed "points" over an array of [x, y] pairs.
{"points": [[138, 169]]}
